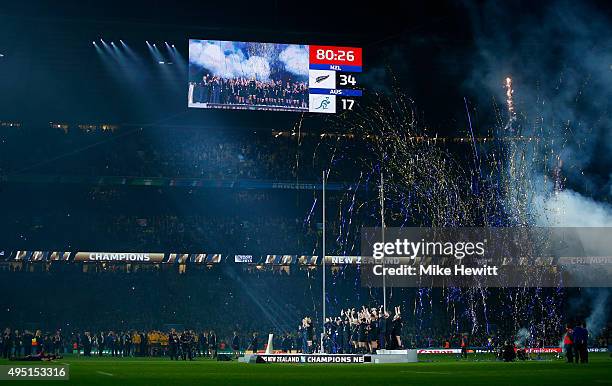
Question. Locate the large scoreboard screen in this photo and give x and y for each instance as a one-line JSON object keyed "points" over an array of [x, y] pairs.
{"points": [[272, 76]]}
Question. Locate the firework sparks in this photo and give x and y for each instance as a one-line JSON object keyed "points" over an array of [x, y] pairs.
{"points": [[431, 183], [510, 98]]}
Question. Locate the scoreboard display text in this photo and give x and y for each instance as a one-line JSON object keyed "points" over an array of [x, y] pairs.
{"points": [[332, 83], [273, 76]]}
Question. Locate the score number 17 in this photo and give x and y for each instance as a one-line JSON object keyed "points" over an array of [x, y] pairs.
{"points": [[347, 104]]}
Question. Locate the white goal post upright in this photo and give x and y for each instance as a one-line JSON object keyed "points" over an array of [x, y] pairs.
{"points": [[322, 350], [270, 346], [382, 233]]}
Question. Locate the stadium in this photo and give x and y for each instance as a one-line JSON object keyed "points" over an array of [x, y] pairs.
{"points": [[274, 193]]}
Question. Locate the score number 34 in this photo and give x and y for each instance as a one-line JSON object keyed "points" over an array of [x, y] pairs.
{"points": [[347, 104], [346, 79]]}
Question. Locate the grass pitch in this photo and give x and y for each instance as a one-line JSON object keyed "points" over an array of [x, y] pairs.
{"points": [[431, 371]]}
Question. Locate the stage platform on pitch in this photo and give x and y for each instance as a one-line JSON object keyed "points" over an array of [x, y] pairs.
{"points": [[381, 356], [395, 356]]}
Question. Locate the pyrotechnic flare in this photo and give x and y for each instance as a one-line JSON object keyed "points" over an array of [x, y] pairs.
{"points": [[510, 99]]}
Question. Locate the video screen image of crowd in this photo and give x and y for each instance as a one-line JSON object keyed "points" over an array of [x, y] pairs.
{"points": [[248, 93]]}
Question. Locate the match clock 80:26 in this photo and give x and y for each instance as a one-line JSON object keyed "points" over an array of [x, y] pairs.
{"points": [[335, 55], [348, 56]]}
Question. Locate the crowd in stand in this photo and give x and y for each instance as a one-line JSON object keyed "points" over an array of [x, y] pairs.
{"points": [[175, 153], [153, 220], [147, 299], [193, 234], [168, 219], [243, 91]]}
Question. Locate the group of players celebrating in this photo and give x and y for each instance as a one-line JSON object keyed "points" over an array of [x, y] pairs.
{"points": [[243, 91], [356, 332]]}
